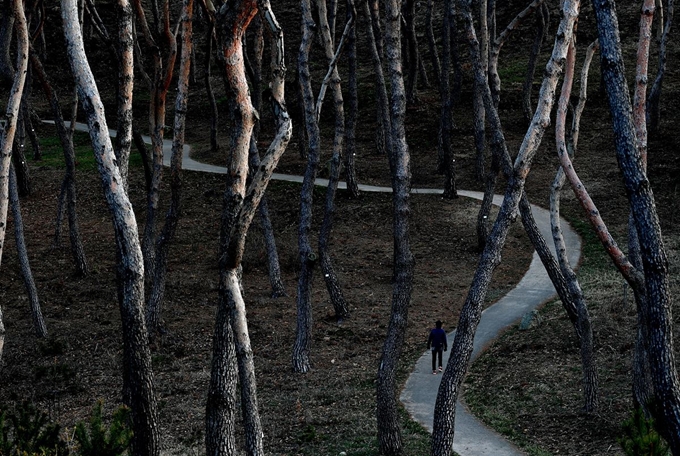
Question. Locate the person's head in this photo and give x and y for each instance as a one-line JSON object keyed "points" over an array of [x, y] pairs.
{"points": [[439, 324]]}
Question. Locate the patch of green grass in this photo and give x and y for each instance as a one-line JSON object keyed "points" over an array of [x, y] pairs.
{"points": [[53, 154], [513, 72], [594, 256]]}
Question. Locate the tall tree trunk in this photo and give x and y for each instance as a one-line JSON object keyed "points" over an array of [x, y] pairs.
{"points": [[389, 435], [542, 21], [409, 15], [352, 105], [163, 44], [653, 101], [432, 41], [584, 326], [19, 157], [374, 32], [38, 320], [658, 314], [6, 33], [303, 334], [12, 114], [442, 437], [445, 148], [329, 274], [273, 266], [66, 140], [157, 294], [125, 46], [240, 205], [137, 373]]}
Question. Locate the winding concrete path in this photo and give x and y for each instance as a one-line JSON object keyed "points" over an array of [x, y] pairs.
{"points": [[472, 437]]}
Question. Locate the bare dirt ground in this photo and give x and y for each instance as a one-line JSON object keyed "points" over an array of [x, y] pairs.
{"points": [[527, 385]]}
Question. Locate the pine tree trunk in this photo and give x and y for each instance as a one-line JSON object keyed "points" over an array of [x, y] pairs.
{"points": [[301, 347], [655, 263], [38, 320], [352, 106], [389, 435], [69, 185], [138, 376], [157, 294], [444, 416]]}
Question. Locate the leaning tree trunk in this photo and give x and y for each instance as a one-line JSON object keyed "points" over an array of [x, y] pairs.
{"points": [[38, 320], [273, 265], [442, 437], [137, 373], [584, 326], [542, 21], [12, 115], [303, 334], [157, 294], [389, 435], [332, 79], [69, 185]]}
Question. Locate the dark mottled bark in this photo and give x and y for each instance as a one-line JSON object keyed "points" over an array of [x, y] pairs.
{"points": [[137, 372], [69, 184], [36, 313], [303, 334], [389, 435], [542, 21], [442, 437], [655, 263], [352, 107]]}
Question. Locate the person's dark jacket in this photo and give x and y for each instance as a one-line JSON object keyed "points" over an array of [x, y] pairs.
{"points": [[437, 339]]}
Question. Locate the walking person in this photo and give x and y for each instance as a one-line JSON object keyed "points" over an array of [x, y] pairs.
{"points": [[437, 343]]}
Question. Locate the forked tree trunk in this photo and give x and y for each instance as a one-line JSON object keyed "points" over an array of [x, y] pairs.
{"points": [[583, 325], [157, 293], [389, 435], [163, 44], [69, 185], [12, 114], [31, 290], [444, 416], [239, 208], [137, 373], [374, 32]]}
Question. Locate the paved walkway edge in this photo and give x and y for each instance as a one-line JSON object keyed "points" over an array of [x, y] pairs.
{"points": [[472, 437]]}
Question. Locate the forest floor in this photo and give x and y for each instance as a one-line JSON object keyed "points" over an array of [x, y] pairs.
{"points": [[527, 385]]}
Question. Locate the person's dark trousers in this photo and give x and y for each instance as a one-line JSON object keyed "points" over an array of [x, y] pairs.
{"points": [[435, 354]]}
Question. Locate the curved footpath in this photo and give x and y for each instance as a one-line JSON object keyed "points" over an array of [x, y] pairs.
{"points": [[472, 438]]}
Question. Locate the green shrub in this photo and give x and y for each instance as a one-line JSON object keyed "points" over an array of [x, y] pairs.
{"points": [[29, 433], [640, 438], [100, 440]]}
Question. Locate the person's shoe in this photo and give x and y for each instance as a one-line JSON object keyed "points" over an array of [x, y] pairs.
{"points": [[440, 368], [434, 372]]}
